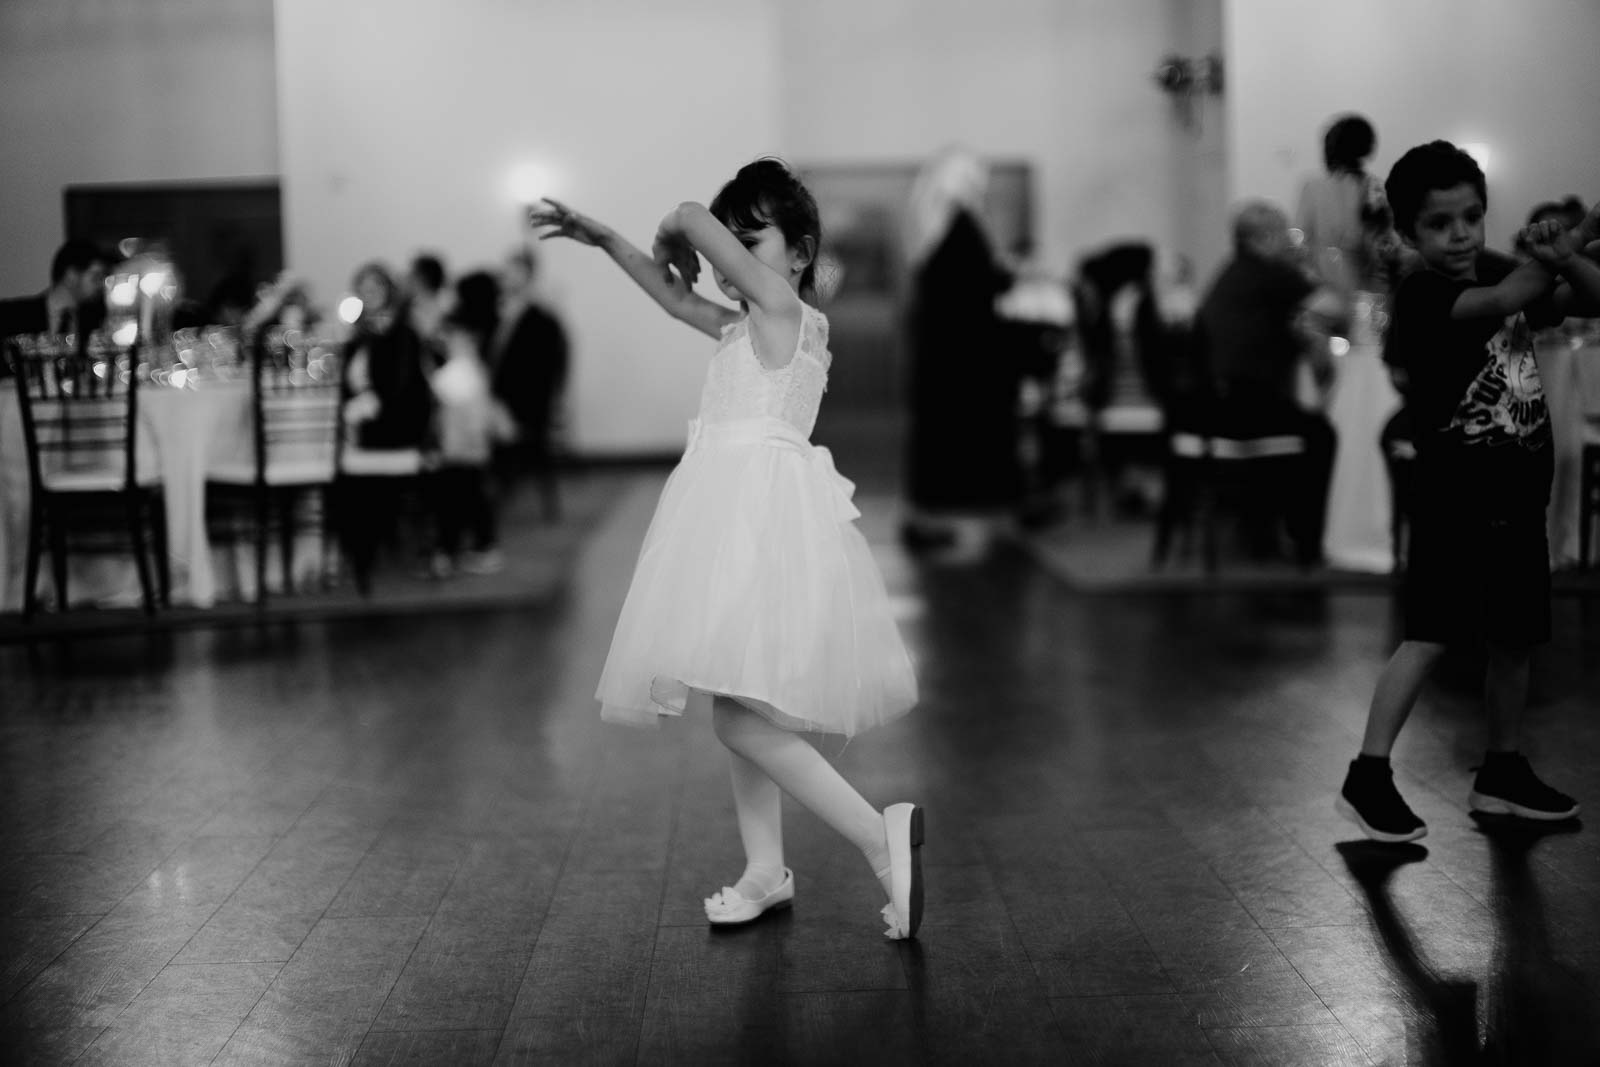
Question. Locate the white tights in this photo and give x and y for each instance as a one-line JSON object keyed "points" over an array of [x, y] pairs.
{"points": [[765, 759]]}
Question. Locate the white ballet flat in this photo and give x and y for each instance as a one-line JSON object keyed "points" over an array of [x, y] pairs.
{"points": [[729, 907], [902, 825]]}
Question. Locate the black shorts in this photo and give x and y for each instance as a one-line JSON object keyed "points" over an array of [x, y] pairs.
{"points": [[1476, 580]]}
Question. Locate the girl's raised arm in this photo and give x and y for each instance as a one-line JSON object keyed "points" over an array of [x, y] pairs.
{"points": [[763, 287], [672, 292]]}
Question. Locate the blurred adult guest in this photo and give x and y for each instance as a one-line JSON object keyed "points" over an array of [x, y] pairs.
{"points": [[468, 424], [385, 370], [1344, 215], [388, 408], [962, 456], [530, 376], [1354, 250], [426, 300], [1249, 326], [73, 304]]}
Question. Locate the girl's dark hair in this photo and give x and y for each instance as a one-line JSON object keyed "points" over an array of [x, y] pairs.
{"points": [[477, 307], [1348, 141], [1435, 165], [767, 193]]}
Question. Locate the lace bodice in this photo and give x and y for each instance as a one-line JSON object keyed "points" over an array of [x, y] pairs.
{"points": [[739, 387]]}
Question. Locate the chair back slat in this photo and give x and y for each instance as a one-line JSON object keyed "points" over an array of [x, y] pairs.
{"points": [[79, 408], [294, 400]]}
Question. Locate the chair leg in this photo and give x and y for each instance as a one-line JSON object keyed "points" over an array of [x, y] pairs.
{"points": [[261, 542], [157, 503], [1588, 500], [30, 577], [286, 529], [1176, 501], [58, 563], [1208, 514], [135, 508]]}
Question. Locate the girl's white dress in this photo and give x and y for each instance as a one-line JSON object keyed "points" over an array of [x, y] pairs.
{"points": [[753, 581]]}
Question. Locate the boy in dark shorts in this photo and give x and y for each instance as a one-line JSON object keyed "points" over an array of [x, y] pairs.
{"points": [[1479, 571]]}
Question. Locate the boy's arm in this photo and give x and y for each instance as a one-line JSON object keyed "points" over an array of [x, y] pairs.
{"points": [[1525, 284], [1562, 251], [673, 293]]}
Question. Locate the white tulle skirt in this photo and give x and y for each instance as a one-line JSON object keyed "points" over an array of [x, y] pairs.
{"points": [[754, 583]]}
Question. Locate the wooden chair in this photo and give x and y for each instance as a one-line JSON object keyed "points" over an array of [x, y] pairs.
{"points": [[1199, 465], [80, 421], [294, 423]]}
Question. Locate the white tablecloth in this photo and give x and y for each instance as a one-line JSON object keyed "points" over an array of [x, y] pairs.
{"points": [[188, 429], [1569, 367], [1357, 535]]}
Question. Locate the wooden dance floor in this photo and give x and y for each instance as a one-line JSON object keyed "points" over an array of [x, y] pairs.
{"points": [[409, 841]]}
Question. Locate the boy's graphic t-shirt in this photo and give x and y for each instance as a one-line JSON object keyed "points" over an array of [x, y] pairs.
{"points": [[1483, 428]]}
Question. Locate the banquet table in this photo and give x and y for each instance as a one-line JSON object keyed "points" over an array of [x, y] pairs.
{"points": [[187, 429]]}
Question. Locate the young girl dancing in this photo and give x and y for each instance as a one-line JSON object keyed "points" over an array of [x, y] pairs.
{"points": [[754, 592]]}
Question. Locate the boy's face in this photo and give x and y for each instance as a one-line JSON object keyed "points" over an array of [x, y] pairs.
{"points": [[1449, 230]]}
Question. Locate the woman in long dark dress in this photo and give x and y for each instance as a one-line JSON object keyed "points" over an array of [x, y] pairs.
{"points": [[962, 455]]}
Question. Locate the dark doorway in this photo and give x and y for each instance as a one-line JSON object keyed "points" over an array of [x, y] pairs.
{"points": [[216, 232]]}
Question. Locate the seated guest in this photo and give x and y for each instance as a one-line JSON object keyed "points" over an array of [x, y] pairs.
{"points": [[1249, 327], [75, 301]]}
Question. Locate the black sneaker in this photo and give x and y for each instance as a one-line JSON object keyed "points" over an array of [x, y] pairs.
{"points": [[1370, 800], [1506, 785]]}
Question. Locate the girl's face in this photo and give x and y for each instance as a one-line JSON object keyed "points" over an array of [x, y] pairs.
{"points": [[769, 246]]}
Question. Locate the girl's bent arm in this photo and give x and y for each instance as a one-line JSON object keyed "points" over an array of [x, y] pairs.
{"points": [[674, 294], [763, 287], [671, 291]]}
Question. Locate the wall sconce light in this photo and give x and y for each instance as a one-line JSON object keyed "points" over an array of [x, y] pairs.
{"points": [[1184, 78]]}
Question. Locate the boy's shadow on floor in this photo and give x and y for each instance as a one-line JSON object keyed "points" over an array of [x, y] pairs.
{"points": [[1537, 1008]]}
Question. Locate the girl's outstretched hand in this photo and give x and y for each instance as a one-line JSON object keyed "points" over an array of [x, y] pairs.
{"points": [[565, 222]]}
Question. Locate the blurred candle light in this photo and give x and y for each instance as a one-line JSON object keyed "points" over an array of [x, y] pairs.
{"points": [[151, 283], [1338, 346], [349, 310], [125, 334], [124, 293]]}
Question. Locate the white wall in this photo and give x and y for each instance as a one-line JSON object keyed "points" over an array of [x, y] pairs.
{"points": [[1065, 84], [1519, 77], [151, 90], [402, 123]]}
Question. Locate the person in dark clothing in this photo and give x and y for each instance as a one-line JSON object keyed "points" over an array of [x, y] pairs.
{"points": [[530, 365], [962, 455], [1479, 569], [75, 301], [1247, 328], [388, 408]]}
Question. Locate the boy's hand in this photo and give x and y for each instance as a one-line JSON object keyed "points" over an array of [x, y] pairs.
{"points": [[565, 222], [1589, 232], [1550, 243]]}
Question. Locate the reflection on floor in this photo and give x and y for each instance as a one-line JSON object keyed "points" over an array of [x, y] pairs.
{"points": [[408, 840]]}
